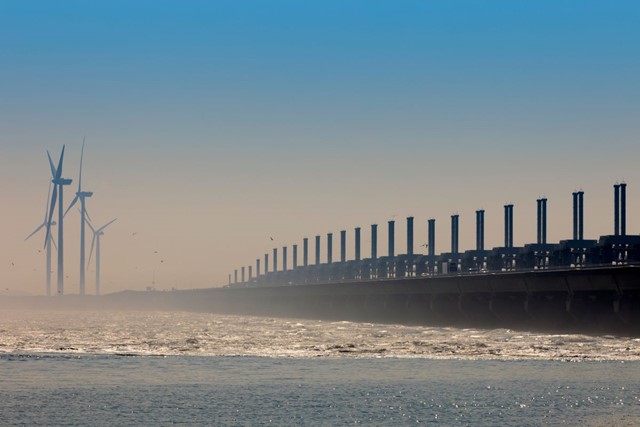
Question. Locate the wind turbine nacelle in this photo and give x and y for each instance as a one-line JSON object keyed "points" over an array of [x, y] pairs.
{"points": [[85, 193], [62, 181]]}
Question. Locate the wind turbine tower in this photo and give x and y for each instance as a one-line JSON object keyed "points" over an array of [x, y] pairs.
{"points": [[58, 190], [96, 241], [81, 195], [47, 243]]}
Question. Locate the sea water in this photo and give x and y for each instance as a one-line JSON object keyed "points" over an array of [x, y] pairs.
{"points": [[165, 368]]}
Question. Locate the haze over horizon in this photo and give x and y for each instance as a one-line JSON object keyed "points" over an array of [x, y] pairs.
{"points": [[212, 127]]}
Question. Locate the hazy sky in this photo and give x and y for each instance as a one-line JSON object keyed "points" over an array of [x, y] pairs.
{"points": [[212, 126]]}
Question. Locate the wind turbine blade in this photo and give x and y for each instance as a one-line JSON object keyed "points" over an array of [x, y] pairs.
{"points": [[106, 225], [80, 176], [88, 222], [51, 209], [54, 243], [59, 170], [53, 168], [75, 200], [93, 242], [46, 207], [35, 231], [86, 212]]}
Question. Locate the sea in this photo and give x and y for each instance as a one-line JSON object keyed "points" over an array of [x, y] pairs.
{"points": [[114, 368]]}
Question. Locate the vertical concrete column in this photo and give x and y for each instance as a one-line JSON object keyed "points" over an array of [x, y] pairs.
{"points": [[305, 251], [510, 226], [482, 229], [284, 258], [539, 221], [581, 215], [258, 267], [266, 263], [623, 209], [242, 274], [432, 237], [250, 273], [506, 226], [329, 248], [454, 233], [392, 238], [544, 221], [357, 240], [575, 215], [410, 235], [275, 260], [343, 246], [616, 209], [477, 230], [317, 250], [235, 276], [374, 241], [294, 262]]}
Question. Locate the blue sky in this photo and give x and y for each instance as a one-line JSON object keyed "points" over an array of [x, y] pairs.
{"points": [[305, 117]]}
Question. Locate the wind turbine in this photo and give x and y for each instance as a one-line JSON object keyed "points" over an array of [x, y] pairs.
{"points": [[81, 195], [57, 197], [96, 241], [47, 243]]}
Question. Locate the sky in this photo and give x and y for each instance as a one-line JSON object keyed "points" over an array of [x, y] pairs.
{"points": [[213, 126]]}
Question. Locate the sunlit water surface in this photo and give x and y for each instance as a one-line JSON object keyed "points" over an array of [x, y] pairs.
{"points": [[157, 368]]}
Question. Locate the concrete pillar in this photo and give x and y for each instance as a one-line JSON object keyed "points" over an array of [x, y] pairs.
{"points": [[510, 226], [317, 250], [623, 209], [284, 258], [294, 262], [480, 230], [454, 234], [539, 221], [343, 246], [305, 251], [357, 240], [275, 260], [506, 226], [329, 248], [432, 237], [392, 238], [374, 241], [616, 209], [544, 221], [575, 216], [581, 215], [410, 235]]}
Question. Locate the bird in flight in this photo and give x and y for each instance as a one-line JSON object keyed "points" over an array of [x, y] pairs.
{"points": [[271, 238]]}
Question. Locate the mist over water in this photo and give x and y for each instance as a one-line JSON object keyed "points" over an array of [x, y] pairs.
{"points": [[204, 334], [160, 368]]}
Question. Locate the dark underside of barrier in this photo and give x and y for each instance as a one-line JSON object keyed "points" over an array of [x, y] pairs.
{"points": [[595, 301]]}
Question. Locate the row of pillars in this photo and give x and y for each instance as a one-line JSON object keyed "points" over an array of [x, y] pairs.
{"points": [[578, 234]]}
